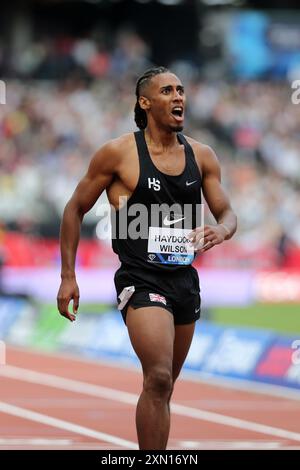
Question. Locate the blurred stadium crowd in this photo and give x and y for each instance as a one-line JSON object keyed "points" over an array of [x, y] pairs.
{"points": [[50, 128]]}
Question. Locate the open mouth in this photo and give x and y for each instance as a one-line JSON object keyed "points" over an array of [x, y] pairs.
{"points": [[177, 112]]}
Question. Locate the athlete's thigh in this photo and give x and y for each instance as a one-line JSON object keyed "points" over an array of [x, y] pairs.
{"points": [[151, 331], [183, 339]]}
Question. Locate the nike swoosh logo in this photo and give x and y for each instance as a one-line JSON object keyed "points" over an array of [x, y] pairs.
{"points": [[171, 222], [188, 183], [197, 310]]}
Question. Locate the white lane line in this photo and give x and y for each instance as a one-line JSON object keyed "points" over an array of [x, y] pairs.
{"points": [[130, 398], [244, 385], [37, 441], [187, 375], [234, 422], [66, 425], [228, 445], [76, 386]]}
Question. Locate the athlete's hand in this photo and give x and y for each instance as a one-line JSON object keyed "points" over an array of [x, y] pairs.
{"points": [[204, 238], [68, 290]]}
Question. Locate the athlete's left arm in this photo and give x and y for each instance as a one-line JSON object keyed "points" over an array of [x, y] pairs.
{"points": [[217, 200]]}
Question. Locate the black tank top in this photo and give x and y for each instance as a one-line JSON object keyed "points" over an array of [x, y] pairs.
{"points": [[150, 230]]}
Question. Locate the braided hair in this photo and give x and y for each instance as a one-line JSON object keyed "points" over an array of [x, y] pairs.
{"points": [[140, 115]]}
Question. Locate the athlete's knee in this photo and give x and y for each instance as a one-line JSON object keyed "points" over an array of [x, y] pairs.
{"points": [[158, 381]]}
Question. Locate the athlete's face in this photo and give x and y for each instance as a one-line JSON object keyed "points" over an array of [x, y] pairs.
{"points": [[165, 101]]}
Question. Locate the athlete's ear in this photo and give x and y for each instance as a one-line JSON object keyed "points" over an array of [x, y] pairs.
{"points": [[144, 102]]}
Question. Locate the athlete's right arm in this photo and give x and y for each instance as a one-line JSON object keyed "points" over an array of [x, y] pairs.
{"points": [[102, 168]]}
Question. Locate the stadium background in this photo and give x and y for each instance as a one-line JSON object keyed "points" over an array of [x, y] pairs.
{"points": [[70, 70]]}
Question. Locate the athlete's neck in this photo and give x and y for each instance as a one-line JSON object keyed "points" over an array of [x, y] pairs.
{"points": [[160, 139]]}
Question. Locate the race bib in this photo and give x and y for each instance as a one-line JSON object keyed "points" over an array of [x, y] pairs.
{"points": [[169, 245]]}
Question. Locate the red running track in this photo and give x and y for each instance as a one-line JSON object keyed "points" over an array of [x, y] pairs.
{"points": [[62, 402]]}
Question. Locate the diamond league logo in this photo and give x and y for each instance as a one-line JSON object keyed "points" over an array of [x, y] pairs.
{"points": [[152, 256]]}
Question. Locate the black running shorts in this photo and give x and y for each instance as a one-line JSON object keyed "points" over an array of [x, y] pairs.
{"points": [[178, 291]]}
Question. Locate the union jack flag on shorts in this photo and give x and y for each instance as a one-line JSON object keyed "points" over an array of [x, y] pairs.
{"points": [[158, 298]]}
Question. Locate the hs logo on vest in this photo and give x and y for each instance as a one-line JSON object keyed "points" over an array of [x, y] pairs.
{"points": [[154, 184]]}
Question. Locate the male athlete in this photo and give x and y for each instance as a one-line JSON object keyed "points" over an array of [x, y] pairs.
{"points": [[153, 167]]}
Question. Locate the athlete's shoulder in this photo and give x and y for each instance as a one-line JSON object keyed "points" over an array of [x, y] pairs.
{"points": [[201, 149], [116, 147], [113, 151], [204, 154]]}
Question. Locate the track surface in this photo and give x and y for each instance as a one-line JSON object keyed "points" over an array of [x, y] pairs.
{"points": [[62, 402]]}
